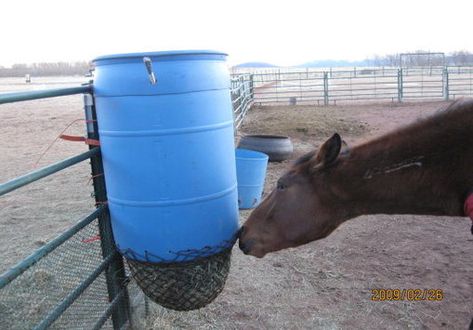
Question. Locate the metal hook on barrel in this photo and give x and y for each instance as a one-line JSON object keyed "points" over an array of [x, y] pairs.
{"points": [[149, 68]]}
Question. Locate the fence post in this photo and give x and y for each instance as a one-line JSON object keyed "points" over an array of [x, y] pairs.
{"points": [[252, 87], [300, 86], [115, 273], [400, 84], [326, 88], [446, 87]]}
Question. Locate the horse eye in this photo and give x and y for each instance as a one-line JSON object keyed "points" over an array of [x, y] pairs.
{"points": [[281, 186]]}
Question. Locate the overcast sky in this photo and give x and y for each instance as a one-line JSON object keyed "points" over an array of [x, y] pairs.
{"points": [[279, 32]]}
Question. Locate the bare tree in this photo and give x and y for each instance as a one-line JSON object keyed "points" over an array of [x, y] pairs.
{"points": [[46, 69]]}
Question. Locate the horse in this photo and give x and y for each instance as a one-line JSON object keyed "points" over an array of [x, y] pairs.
{"points": [[425, 168]]}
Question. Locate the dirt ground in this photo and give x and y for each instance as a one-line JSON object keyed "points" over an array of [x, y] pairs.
{"points": [[326, 284]]}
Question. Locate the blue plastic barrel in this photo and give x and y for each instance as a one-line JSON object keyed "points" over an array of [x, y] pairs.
{"points": [[251, 172], [166, 134]]}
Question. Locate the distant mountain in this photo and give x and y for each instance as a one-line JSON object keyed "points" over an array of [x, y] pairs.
{"points": [[255, 65], [333, 63]]}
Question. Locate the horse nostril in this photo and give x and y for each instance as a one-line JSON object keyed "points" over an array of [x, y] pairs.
{"points": [[245, 246], [241, 231]]}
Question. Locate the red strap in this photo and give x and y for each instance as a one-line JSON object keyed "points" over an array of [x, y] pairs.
{"points": [[91, 239], [468, 207], [90, 142]]}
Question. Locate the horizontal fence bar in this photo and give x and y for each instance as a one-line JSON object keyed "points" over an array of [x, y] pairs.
{"points": [[241, 108], [35, 95], [284, 85], [341, 98], [240, 121], [461, 79], [456, 87], [239, 98], [360, 94], [108, 312], [29, 261], [45, 171], [71, 297], [354, 89], [321, 102], [279, 92]]}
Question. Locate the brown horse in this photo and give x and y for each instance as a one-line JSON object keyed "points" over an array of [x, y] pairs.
{"points": [[425, 168]]}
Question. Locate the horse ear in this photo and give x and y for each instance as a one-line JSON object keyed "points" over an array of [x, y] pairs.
{"points": [[328, 153], [345, 150]]}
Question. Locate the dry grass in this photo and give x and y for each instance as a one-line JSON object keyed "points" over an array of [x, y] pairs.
{"points": [[304, 122]]}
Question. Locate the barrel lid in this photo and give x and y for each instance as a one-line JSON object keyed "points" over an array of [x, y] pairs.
{"points": [[164, 55]]}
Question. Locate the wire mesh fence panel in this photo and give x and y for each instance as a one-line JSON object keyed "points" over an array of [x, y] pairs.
{"points": [[29, 298]]}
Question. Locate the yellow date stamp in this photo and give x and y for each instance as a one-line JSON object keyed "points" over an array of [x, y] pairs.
{"points": [[406, 294]]}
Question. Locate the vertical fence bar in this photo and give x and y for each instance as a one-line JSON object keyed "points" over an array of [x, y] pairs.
{"points": [[252, 86], [326, 100], [115, 273], [277, 92], [300, 86], [446, 87], [400, 86]]}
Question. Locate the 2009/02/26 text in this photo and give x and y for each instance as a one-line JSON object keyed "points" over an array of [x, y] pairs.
{"points": [[407, 294]]}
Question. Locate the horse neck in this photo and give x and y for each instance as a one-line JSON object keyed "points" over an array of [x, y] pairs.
{"points": [[418, 170]]}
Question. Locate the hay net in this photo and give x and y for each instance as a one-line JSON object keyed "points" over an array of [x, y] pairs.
{"points": [[183, 286], [193, 279], [30, 297]]}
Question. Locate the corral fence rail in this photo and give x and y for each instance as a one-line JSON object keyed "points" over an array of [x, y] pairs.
{"points": [[324, 87], [78, 280], [242, 95]]}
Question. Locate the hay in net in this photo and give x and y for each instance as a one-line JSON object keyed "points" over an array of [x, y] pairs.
{"points": [[183, 286]]}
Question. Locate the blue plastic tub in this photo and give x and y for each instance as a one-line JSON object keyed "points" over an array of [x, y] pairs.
{"points": [[251, 172], [168, 152]]}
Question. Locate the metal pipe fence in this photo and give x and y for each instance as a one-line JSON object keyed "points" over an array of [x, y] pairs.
{"points": [[82, 281], [83, 261], [323, 87], [242, 93]]}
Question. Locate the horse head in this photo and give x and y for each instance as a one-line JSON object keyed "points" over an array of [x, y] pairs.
{"points": [[303, 207]]}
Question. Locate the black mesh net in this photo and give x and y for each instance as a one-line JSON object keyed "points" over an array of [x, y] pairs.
{"points": [[183, 285]]}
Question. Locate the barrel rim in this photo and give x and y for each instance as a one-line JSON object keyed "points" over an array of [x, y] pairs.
{"points": [[158, 54]]}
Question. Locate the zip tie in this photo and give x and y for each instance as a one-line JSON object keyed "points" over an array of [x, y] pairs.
{"points": [[93, 177]]}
